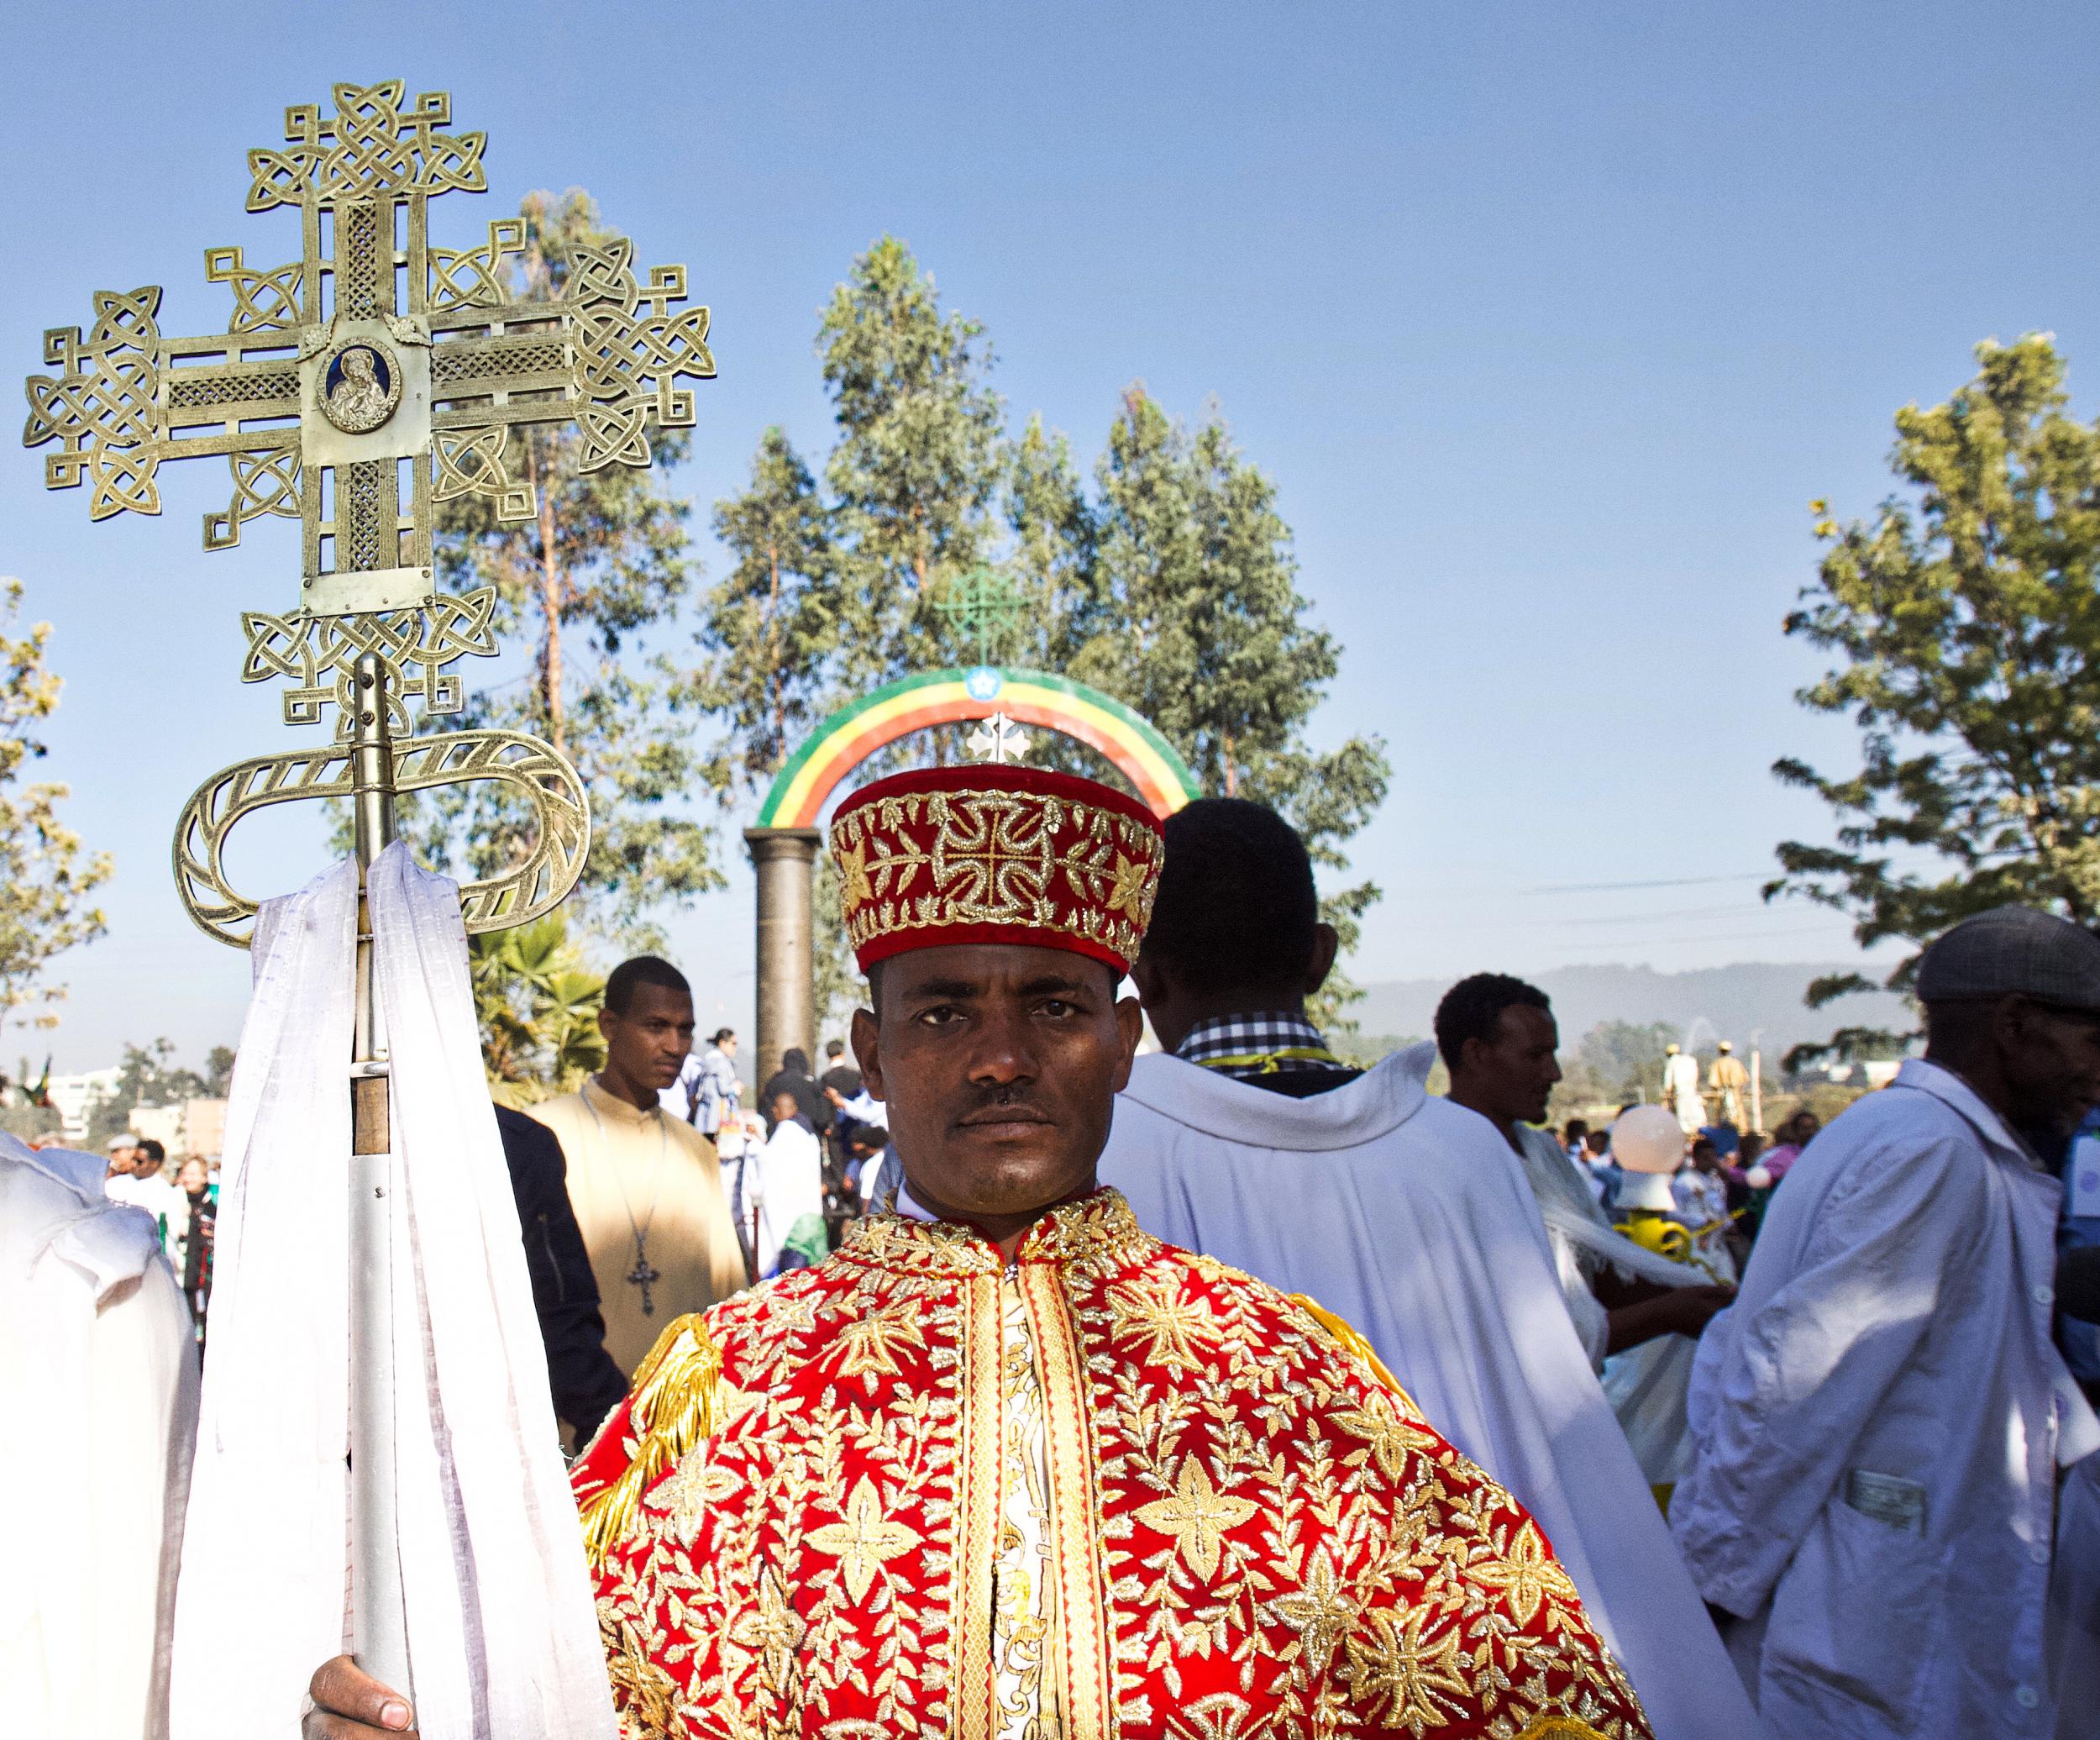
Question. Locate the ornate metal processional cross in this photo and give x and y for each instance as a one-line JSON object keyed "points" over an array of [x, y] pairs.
{"points": [[355, 389], [983, 608]]}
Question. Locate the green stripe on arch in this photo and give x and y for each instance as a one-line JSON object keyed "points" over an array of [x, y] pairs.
{"points": [[1035, 697]]}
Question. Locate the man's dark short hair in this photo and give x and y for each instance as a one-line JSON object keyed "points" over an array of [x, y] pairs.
{"points": [[152, 1150], [834, 1047], [1236, 908], [1575, 1127], [631, 975], [1472, 1009], [795, 1061]]}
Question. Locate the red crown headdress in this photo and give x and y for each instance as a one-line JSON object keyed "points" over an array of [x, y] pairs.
{"points": [[995, 855]]}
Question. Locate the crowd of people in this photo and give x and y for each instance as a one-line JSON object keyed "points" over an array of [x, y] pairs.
{"points": [[1789, 1438], [184, 1208]]}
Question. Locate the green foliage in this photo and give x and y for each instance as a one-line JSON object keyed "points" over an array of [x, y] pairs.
{"points": [[1172, 585], [1055, 549], [837, 988], [604, 561], [1616, 1062], [918, 464], [1966, 624], [149, 1077], [218, 1072], [22, 1120], [772, 623], [21, 1113], [537, 1004], [1192, 617], [45, 878]]}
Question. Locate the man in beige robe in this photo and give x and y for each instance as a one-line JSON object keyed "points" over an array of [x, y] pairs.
{"points": [[1727, 1083], [647, 1189]]}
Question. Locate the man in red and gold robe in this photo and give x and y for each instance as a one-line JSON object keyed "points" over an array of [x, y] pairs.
{"points": [[1007, 1466]]}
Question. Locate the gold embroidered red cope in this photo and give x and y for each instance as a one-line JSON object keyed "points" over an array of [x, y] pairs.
{"points": [[1249, 1535], [995, 855]]}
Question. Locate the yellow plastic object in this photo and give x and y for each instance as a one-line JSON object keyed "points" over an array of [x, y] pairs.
{"points": [[1659, 1233]]}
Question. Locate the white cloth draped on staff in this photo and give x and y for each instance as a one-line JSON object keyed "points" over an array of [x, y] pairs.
{"points": [[500, 1631]]}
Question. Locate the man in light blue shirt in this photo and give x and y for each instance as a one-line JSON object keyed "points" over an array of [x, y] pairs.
{"points": [[2080, 1230], [1881, 1418], [707, 1089]]}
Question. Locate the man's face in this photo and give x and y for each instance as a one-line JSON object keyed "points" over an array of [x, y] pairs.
{"points": [[784, 1107], [1000, 1064], [193, 1177], [649, 1044], [120, 1160], [1517, 1067], [2052, 1064]]}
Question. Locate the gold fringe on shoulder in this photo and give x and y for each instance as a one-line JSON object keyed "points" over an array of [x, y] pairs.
{"points": [[677, 1402], [1351, 1340], [1559, 1728]]}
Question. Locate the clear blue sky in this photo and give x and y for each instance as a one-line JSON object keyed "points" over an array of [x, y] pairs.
{"points": [[1548, 322]]}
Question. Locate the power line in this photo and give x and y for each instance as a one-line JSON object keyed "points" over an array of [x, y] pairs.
{"points": [[1734, 936], [1670, 882], [1656, 917]]}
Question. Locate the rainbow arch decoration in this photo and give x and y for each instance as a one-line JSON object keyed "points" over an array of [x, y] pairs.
{"points": [[947, 697]]}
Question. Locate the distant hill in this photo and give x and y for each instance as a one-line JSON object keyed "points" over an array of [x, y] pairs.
{"points": [[1730, 1003]]}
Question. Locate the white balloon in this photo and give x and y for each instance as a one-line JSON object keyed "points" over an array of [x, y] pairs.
{"points": [[1648, 1139]]}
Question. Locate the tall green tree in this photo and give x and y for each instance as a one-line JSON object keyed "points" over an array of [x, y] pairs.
{"points": [[771, 625], [915, 475], [46, 879], [831, 590], [1193, 616], [604, 561], [1055, 544], [1965, 626]]}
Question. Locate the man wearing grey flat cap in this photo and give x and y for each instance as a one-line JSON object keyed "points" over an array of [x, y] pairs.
{"points": [[1880, 1419]]}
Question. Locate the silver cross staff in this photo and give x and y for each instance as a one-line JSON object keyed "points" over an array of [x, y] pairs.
{"points": [[998, 740], [356, 390]]}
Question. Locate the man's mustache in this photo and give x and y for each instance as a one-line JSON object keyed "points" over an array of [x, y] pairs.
{"points": [[1008, 1100]]}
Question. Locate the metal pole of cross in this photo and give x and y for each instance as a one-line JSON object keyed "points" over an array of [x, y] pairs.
{"points": [[356, 389]]}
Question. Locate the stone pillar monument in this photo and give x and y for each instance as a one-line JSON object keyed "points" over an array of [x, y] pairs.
{"points": [[784, 859]]}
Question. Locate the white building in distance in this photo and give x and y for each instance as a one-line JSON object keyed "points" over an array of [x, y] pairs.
{"points": [[74, 1096]]}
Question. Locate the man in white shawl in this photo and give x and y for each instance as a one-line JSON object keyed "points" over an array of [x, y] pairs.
{"points": [[1642, 1310], [98, 1380], [1250, 1141], [784, 1192]]}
